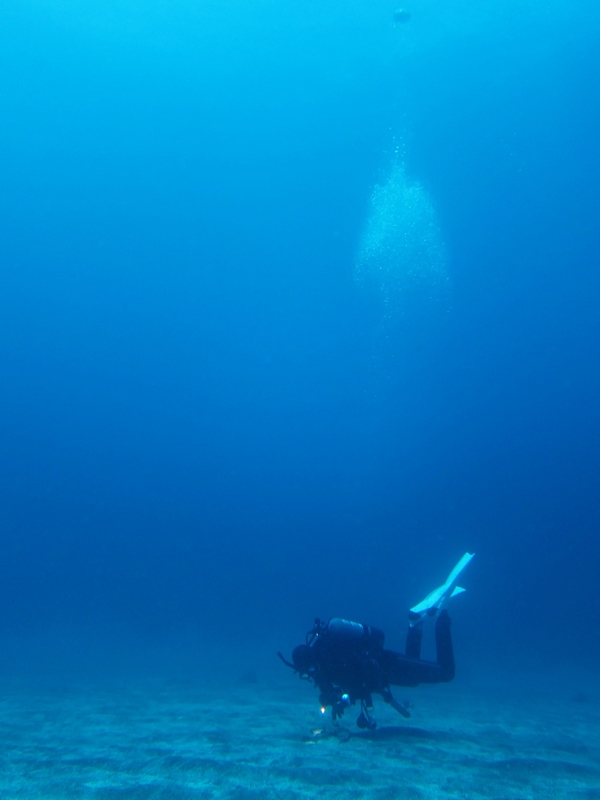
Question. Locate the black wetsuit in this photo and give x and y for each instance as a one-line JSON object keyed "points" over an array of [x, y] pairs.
{"points": [[410, 669], [348, 663]]}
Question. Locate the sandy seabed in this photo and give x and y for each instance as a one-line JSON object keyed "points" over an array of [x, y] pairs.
{"points": [[162, 741]]}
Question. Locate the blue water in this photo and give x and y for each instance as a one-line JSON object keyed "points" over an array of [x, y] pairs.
{"points": [[211, 431]]}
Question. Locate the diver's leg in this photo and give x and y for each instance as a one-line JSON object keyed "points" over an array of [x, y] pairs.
{"points": [[407, 670], [413, 640], [444, 648]]}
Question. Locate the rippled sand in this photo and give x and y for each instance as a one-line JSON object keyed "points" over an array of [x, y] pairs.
{"points": [[179, 741]]}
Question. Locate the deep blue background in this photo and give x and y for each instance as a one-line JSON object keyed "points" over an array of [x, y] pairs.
{"points": [[204, 435]]}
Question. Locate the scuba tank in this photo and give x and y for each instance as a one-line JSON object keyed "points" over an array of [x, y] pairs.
{"points": [[342, 630]]}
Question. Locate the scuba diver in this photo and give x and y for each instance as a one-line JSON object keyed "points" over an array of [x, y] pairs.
{"points": [[348, 663]]}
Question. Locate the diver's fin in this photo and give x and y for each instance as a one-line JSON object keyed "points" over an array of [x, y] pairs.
{"points": [[437, 599]]}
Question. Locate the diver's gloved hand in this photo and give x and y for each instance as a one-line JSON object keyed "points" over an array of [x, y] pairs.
{"points": [[338, 708]]}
